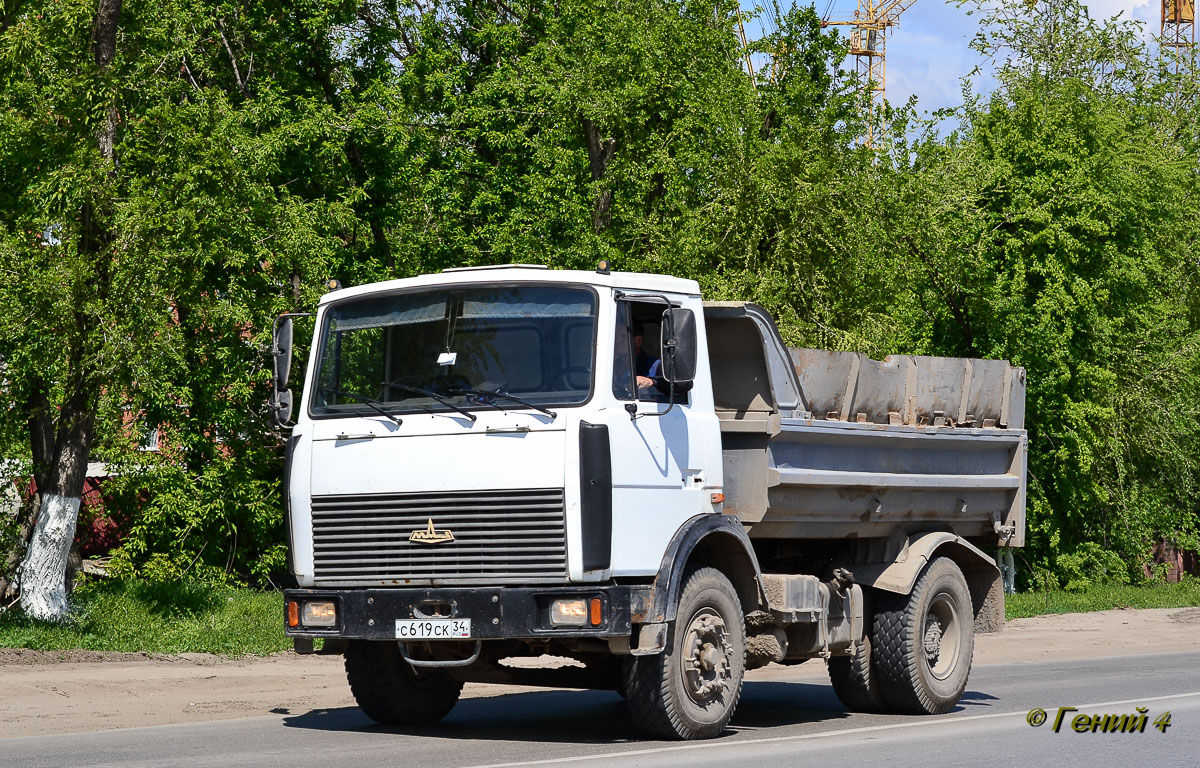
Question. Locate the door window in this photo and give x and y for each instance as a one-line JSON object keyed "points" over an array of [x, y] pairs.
{"points": [[637, 353]]}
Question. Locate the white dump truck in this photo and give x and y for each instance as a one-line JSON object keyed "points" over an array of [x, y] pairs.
{"points": [[494, 463]]}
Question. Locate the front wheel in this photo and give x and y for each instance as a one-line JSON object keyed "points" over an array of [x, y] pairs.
{"points": [[690, 690], [390, 690], [923, 642]]}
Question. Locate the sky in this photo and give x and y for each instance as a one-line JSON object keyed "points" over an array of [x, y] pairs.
{"points": [[928, 54]]}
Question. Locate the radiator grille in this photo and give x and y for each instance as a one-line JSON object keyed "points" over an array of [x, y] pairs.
{"points": [[501, 536]]}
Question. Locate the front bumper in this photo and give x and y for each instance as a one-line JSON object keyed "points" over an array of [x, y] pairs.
{"points": [[521, 613]]}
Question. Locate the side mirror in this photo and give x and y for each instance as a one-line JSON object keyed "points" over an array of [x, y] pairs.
{"points": [[281, 350], [280, 405], [280, 402], [679, 348]]}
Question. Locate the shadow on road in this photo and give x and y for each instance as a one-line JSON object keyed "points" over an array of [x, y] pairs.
{"points": [[774, 704], [975, 699], [582, 717]]}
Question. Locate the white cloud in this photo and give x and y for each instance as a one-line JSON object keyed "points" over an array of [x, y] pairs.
{"points": [[929, 53], [1106, 9]]}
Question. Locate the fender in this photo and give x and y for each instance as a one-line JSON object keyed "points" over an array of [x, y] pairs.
{"points": [[719, 536], [900, 574]]}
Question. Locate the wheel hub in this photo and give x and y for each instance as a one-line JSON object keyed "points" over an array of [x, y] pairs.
{"points": [[933, 640], [706, 669], [941, 640]]}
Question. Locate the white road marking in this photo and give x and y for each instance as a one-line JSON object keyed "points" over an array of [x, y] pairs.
{"points": [[824, 734]]}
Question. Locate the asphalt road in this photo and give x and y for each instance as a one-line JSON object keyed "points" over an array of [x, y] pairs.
{"points": [[777, 724]]}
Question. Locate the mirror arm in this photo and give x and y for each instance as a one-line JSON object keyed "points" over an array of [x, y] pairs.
{"points": [[622, 296], [277, 407]]}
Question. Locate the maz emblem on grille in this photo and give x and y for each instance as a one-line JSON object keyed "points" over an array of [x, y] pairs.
{"points": [[431, 535]]}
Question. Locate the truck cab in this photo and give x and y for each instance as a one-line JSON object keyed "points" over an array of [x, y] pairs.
{"points": [[483, 403]]}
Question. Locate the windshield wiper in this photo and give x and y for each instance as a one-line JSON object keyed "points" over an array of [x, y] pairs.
{"points": [[370, 402], [506, 396], [430, 393]]}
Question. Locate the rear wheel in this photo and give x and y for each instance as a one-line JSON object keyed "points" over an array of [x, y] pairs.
{"points": [[855, 681], [923, 642], [690, 690], [390, 690]]}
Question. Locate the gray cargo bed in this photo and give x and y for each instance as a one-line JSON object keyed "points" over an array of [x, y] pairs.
{"points": [[835, 445]]}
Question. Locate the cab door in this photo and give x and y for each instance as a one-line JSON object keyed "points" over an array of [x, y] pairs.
{"points": [[658, 453]]}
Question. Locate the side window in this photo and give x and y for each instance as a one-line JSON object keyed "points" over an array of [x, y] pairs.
{"points": [[623, 385], [637, 351]]}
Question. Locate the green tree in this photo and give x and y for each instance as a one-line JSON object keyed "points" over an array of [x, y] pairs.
{"points": [[149, 233]]}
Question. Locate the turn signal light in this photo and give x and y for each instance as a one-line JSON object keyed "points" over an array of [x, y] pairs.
{"points": [[293, 614], [595, 615], [718, 498]]}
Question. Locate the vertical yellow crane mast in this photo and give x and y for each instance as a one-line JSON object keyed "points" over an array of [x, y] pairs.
{"points": [[868, 46], [1179, 28]]}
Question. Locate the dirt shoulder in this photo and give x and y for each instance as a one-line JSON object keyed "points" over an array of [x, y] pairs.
{"points": [[49, 692]]}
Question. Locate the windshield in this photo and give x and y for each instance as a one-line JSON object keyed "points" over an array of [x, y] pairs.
{"points": [[460, 348]]}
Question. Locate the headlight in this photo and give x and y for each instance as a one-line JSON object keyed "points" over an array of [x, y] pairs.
{"points": [[568, 613], [320, 614]]}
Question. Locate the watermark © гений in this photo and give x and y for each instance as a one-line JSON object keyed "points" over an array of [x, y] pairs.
{"points": [[1134, 723]]}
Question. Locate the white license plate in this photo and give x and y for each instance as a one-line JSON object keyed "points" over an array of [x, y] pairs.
{"points": [[433, 629]]}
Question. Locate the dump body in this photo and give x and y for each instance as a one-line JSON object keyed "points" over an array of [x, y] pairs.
{"points": [[849, 480], [835, 445]]}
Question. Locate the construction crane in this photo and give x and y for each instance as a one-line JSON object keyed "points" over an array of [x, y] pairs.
{"points": [[1179, 29], [868, 46]]}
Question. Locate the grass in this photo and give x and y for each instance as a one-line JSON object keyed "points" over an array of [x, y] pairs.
{"points": [[158, 618], [1104, 597]]}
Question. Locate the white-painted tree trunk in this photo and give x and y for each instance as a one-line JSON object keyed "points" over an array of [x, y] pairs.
{"points": [[43, 574]]}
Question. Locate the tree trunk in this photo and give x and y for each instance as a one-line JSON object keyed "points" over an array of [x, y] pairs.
{"points": [[60, 445], [43, 574], [60, 469], [600, 152]]}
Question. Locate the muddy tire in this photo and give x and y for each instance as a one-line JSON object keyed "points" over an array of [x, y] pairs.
{"points": [[923, 642], [389, 690], [690, 690], [855, 681]]}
